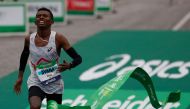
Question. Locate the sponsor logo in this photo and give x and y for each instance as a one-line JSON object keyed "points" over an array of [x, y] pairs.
{"points": [[154, 67], [48, 70], [49, 49], [50, 80], [131, 102], [82, 4]]}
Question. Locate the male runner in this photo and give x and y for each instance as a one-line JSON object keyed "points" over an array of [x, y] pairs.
{"points": [[43, 49]]}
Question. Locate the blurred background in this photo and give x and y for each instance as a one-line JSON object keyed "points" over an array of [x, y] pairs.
{"points": [[113, 37]]}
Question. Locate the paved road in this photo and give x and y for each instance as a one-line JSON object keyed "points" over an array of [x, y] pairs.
{"points": [[131, 15]]}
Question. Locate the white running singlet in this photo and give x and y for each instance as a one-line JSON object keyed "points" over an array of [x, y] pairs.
{"points": [[43, 63]]}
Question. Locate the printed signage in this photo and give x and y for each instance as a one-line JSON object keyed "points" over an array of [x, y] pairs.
{"points": [[104, 5], [106, 55], [57, 8], [81, 7], [13, 18]]}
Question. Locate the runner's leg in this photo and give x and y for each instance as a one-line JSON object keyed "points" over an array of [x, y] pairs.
{"points": [[36, 95], [55, 97]]}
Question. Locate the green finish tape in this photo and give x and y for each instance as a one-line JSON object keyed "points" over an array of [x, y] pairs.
{"points": [[104, 93]]}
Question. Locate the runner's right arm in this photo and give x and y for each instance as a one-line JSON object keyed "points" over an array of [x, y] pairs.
{"points": [[23, 61], [24, 57]]}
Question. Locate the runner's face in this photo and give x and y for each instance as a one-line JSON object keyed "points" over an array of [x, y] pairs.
{"points": [[43, 19]]}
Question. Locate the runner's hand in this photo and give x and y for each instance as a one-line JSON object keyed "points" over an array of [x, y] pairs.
{"points": [[64, 66], [17, 86]]}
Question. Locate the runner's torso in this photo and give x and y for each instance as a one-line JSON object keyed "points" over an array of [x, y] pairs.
{"points": [[43, 65]]}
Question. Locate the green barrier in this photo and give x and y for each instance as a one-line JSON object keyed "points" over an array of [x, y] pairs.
{"points": [[105, 92]]}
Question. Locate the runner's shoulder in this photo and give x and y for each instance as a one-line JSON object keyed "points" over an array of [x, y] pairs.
{"points": [[60, 37], [27, 38]]}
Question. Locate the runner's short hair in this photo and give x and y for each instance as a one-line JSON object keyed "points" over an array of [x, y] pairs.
{"points": [[48, 10]]}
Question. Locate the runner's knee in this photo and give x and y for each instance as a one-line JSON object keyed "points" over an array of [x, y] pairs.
{"points": [[35, 102]]}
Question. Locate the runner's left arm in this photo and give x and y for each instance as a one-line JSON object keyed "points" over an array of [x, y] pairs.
{"points": [[76, 58]]}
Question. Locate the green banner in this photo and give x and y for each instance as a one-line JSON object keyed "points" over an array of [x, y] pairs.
{"points": [[162, 54]]}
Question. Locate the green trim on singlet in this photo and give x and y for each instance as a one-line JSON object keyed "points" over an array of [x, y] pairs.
{"points": [[46, 65]]}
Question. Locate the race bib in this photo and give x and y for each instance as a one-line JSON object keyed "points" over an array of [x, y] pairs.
{"points": [[47, 73]]}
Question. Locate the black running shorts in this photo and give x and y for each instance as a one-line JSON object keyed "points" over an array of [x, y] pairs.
{"points": [[36, 91]]}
